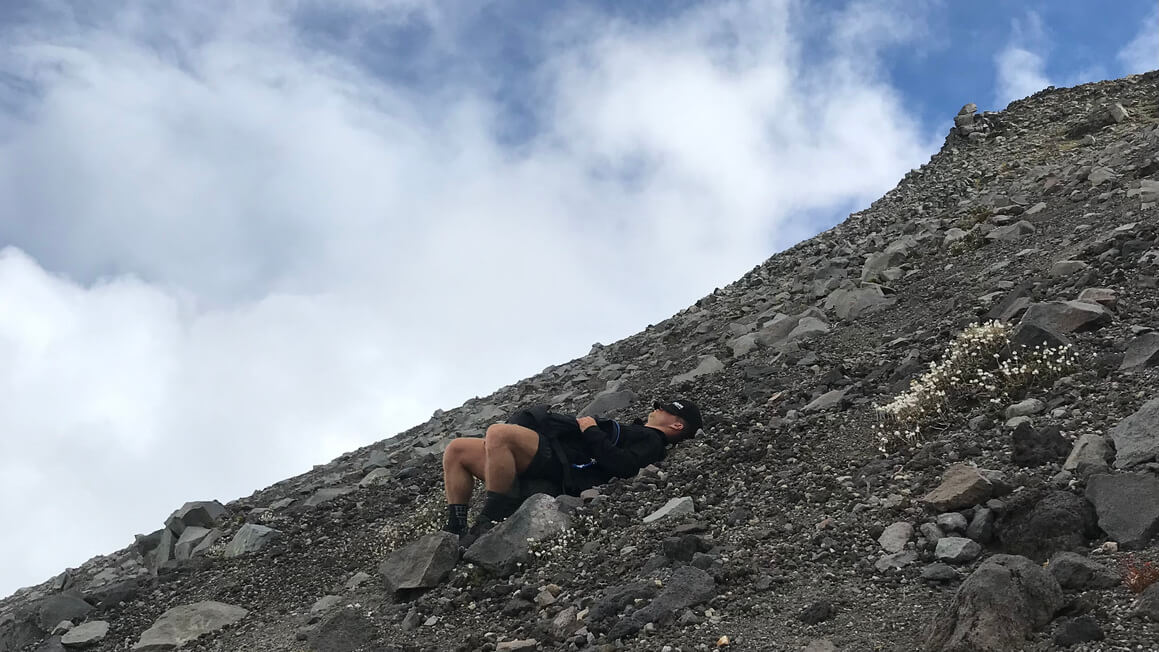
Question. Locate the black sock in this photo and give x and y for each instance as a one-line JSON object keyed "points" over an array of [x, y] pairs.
{"points": [[498, 506], [456, 519]]}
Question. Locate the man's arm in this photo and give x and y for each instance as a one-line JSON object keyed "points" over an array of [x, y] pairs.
{"points": [[617, 461]]}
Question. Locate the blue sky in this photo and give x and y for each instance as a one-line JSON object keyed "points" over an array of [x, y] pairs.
{"points": [[239, 239]]}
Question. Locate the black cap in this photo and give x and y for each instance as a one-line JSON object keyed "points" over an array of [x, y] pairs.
{"points": [[684, 409]]}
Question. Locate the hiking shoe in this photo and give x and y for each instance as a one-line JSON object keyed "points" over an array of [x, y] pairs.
{"points": [[477, 530], [458, 529]]}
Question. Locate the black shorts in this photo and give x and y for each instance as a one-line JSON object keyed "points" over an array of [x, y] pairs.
{"points": [[544, 465]]}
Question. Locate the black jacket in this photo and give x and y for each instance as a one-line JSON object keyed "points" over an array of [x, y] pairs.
{"points": [[607, 450]]}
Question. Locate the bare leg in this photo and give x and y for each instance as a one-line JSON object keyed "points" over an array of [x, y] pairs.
{"points": [[463, 461], [510, 449]]}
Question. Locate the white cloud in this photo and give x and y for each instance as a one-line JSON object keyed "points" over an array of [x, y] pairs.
{"points": [[1141, 54], [1021, 65], [234, 255]]}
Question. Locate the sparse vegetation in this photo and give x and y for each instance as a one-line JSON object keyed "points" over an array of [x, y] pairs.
{"points": [[972, 370], [1137, 576]]}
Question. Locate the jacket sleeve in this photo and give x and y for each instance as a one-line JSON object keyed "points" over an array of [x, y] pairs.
{"points": [[619, 462]]}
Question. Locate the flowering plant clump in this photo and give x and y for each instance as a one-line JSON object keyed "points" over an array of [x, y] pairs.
{"points": [[971, 369], [1138, 576]]}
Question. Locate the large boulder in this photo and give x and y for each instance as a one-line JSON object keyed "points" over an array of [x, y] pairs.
{"points": [[422, 564], [849, 302], [201, 513], [1067, 316], [1137, 437], [189, 539], [1089, 455], [63, 606], [1038, 523], [507, 544], [188, 622], [997, 608], [250, 538], [1127, 505], [85, 634]]}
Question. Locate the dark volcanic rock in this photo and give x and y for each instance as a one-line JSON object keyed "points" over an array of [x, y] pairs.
{"points": [[346, 630], [505, 545], [1073, 631], [688, 586], [1075, 572], [997, 607], [1037, 447], [1137, 437], [1038, 524]]}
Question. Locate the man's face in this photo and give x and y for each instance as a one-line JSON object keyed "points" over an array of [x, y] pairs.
{"points": [[664, 420]]}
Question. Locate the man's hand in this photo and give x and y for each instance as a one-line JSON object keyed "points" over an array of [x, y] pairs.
{"points": [[585, 423]]}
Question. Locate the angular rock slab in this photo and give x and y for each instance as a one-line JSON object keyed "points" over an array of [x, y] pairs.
{"points": [[709, 364], [1002, 602], [1137, 437], [190, 538], [506, 545], [1127, 505], [201, 513], [1088, 456], [962, 485], [186, 623], [1067, 316], [251, 537], [674, 507], [688, 586], [422, 564], [1142, 352], [85, 634], [894, 538], [343, 631], [849, 303], [63, 606]]}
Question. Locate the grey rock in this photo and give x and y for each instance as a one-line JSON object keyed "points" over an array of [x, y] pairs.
{"points": [[206, 543], [1089, 456], [1025, 408], [1011, 232], [1072, 631], [357, 580], [708, 365], [250, 538], [1147, 606], [377, 476], [193, 535], [1127, 505], [201, 513], [1143, 352], [345, 630], [186, 623], [834, 399], [981, 528], [1117, 113], [506, 545], [325, 603], [1067, 316], [807, 329], [953, 235], [63, 606], [674, 507], [1074, 572], [326, 494], [1064, 268], [849, 303], [895, 561], [1100, 175], [939, 573], [894, 538], [743, 345], [422, 564], [952, 522], [1137, 436], [1002, 602], [378, 458], [931, 532], [85, 634], [1105, 297], [957, 550], [879, 262]]}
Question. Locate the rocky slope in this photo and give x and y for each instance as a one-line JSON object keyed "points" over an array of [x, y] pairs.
{"points": [[797, 531]]}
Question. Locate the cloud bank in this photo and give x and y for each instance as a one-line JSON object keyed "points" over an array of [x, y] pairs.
{"points": [[238, 242]]}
